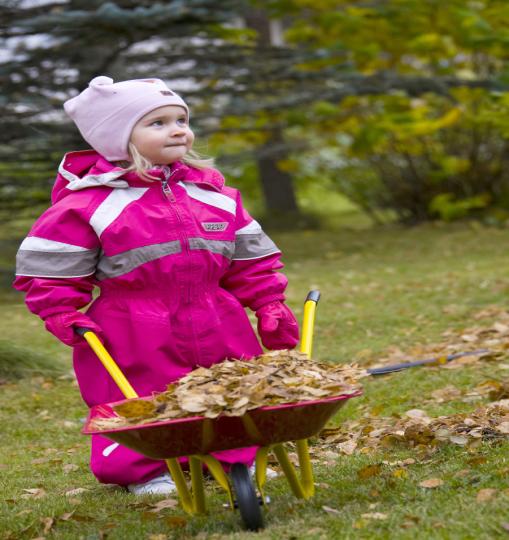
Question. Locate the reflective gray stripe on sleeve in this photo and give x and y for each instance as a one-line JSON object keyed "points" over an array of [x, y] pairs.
{"points": [[56, 264], [117, 265], [109, 210], [223, 247], [210, 197], [253, 246]]}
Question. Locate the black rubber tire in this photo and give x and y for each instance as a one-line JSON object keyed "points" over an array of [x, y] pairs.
{"points": [[245, 495]]}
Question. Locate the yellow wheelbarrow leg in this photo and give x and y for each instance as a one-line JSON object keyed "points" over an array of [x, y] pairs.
{"points": [[199, 506], [217, 471], [185, 498], [261, 469], [304, 487]]}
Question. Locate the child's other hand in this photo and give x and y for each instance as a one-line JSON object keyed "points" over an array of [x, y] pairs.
{"points": [[277, 326], [62, 325]]}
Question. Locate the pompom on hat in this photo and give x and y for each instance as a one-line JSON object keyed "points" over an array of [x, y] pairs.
{"points": [[106, 112]]}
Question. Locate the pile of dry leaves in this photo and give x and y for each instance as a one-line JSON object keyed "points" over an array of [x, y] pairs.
{"points": [[233, 387], [416, 429]]}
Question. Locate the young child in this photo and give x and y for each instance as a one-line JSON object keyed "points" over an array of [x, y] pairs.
{"points": [[176, 257]]}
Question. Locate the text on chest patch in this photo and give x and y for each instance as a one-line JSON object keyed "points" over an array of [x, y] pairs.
{"points": [[214, 226]]}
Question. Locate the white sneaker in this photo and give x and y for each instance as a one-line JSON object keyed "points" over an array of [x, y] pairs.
{"points": [[269, 473], [161, 485]]}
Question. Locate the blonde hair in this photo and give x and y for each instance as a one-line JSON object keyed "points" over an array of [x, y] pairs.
{"points": [[141, 165]]}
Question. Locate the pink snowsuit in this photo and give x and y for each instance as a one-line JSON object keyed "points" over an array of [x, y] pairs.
{"points": [[176, 261]]}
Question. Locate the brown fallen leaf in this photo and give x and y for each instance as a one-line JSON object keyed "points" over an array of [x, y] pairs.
{"points": [[33, 493], [484, 495], [135, 408], [48, 523], [369, 471], [400, 473], [161, 505], [70, 467], [431, 483], [374, 515], [76, 491], [348, 447], [39, 461], [330, 510], [84, 518], [175, 521]]}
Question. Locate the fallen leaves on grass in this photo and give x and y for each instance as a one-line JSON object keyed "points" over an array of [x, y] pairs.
{"points": [[417, 430], [233, 387]]}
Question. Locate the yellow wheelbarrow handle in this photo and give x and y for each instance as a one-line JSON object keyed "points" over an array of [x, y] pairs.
{"points": [[107, 361], [308, 322]]}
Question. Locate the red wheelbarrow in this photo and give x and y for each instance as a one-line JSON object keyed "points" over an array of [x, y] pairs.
{"points": [[267, 427]]}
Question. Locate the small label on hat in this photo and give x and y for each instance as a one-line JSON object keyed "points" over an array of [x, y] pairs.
{"points": [[167, 93]]}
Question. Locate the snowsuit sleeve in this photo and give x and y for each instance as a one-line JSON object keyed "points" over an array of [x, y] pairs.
{"points": [[56, 262], [252, 276]]}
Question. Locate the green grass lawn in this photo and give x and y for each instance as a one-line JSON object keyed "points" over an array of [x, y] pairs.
{"points": [[381, 288]]}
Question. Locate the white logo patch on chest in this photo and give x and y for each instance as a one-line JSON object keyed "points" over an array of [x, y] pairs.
{"points": [[214, 226]]}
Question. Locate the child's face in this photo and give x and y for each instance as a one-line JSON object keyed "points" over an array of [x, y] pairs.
{"points": [[163, 135]]}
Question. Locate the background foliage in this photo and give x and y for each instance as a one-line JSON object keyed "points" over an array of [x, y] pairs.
{"points": [[400, 105]]}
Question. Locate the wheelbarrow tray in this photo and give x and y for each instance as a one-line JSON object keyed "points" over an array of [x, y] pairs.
{"points": [[179, 437]]}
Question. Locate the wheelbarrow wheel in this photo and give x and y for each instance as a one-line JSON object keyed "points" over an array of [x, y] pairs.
{"points": [[246, 499]]}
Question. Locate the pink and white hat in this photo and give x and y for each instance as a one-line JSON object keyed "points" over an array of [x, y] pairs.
{"points": [[106, 112]]}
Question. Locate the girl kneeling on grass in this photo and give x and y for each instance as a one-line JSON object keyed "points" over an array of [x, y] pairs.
{"points": [[176, 257]]}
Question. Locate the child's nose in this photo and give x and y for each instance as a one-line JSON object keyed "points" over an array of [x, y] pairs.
{"points": [[177, 130]]}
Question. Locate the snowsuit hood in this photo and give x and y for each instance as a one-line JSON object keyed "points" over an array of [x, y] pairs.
{"points": [[86, 168]]}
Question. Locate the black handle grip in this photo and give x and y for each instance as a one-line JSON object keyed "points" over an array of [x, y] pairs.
{"points": [[80, 330], [314, 296]]}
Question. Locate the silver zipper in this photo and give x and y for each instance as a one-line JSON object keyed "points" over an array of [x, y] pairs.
{"points": [[167, 172]]}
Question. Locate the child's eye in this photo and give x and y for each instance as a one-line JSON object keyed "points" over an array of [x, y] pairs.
{"points": [[182, 121], [157, 123]]}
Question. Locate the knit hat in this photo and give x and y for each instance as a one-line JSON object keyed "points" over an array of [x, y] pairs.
{"points": [[106, 112]]}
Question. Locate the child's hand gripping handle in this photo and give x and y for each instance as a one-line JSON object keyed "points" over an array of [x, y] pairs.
{"points": [[308, 322], [107, 361]]}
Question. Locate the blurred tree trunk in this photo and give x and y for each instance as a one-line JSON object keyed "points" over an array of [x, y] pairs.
{"points": [[277, 185]]}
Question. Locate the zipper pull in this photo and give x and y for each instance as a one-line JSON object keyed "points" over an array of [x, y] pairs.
{"points": [[168, 193], [167, 172]]}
